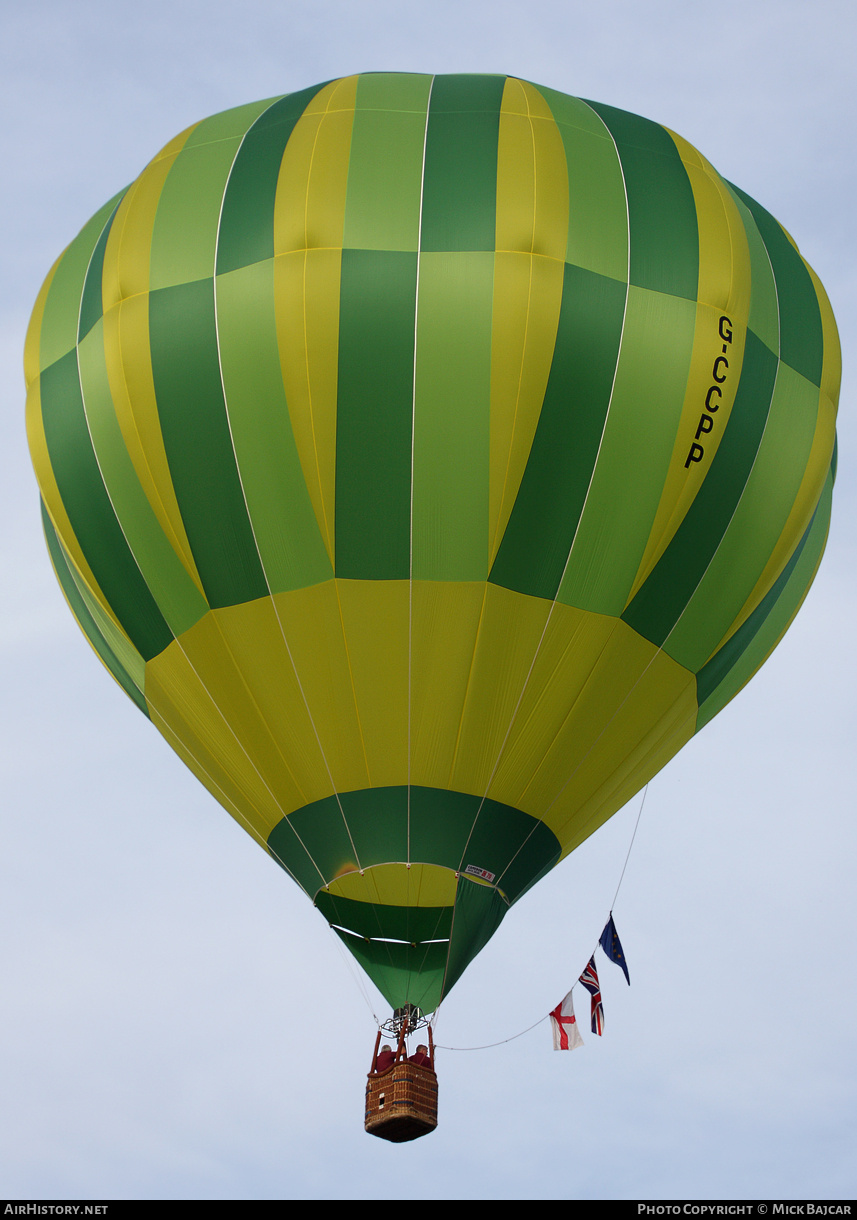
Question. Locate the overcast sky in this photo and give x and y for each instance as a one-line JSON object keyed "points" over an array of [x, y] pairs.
{"points": [[177, 1022]]}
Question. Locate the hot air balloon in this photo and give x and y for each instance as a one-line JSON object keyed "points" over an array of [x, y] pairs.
{"points": [[429, 458]]}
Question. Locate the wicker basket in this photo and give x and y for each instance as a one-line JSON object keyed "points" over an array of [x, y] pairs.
{"points": [[401, 1103]]}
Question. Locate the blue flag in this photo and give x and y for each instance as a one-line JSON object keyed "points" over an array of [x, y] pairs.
{"points": [[612, 946]]}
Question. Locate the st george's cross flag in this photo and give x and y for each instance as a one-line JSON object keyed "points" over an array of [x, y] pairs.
{"points": [[566, 1035], [589, 978], [612, 946]]}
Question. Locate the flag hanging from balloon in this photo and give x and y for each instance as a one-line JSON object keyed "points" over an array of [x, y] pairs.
{"points": [[566, 1034], [612, 946], [589, 979]]}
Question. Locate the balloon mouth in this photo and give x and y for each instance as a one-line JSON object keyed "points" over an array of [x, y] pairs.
{"points": [[413, 928], [413, 925], [415, 886]]}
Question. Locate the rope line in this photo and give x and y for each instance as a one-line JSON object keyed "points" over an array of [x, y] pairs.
{"points": [[630, 846], [488, 1045]]}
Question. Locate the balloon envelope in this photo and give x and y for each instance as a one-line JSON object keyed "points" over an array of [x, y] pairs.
{"points": [[429, 458]]}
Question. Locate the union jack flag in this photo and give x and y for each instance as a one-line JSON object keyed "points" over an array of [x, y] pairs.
{"points": [[589, 978]]}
